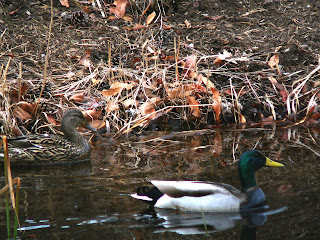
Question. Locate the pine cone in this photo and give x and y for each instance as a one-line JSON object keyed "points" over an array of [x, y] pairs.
{"points": [[78, 18]]}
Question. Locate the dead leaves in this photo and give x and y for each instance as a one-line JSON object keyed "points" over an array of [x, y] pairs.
{"points": [[280, 87], [138, 26], [118, 11], [187, 23], [84, 60], [116, 88], [120, 8], [21, 114], [194, 106], [65, 3], [179, 92], [222, 57], [78, 97], [146, 113], [24, 111], [150, 18], [274, 63], [217, 103]]}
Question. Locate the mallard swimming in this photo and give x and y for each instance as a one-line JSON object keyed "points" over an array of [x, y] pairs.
{"points": [[42, 149], [208, 196]]}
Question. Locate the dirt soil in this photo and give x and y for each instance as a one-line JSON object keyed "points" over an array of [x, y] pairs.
{"points": [[251, 88]]}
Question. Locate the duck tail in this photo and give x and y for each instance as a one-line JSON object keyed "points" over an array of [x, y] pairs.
{"points": [[149, 195]]}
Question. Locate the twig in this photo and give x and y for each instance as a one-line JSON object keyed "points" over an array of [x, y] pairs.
{"points": [[46, 59]]}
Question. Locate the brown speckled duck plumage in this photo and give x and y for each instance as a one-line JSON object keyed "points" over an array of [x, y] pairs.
{"points": [[43, 149]]}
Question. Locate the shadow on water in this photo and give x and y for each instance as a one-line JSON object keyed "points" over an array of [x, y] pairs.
{"points": [[92, 200]]}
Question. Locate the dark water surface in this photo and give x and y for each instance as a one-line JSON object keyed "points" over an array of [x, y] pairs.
{"points": [[92, 200]]}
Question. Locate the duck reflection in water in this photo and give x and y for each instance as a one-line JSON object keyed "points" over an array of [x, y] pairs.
{"points": [[188, 223]]}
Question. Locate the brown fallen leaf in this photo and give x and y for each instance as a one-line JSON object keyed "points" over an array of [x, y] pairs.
{"points": [[130, 102], [92, 114], [195, 110], [79, 97], [116, 88], [168, 58], [136, 59], [284, 95], [150, 18], [120, 8], [217, 104], [21, 114], [166, 26], [112, 17], [180, 92], [112, 106], [64, 3], [190, 62], [267, 119], [111, 92], [274, 61], [13, 12], [84, 60], [189, 66], [86, 9], [27, 106], [97, 123], [147, 108], [242, 119], [215, 18], [136, 27], [147, 8], [280, 87], [145, 121], [50, 118], [201, 79], [127, 18], [222, 57], [315, 116], [187, 23], [14, 93]]}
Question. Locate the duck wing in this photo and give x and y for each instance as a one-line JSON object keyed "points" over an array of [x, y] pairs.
{"points": [[37, 141], [44, 149], [178, 189]]}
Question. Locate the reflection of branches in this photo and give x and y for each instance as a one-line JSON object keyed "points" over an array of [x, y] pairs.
{"points": [[299, 143], [294, 137]]}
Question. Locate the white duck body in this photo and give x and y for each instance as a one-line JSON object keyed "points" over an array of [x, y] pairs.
{"points": [[206, 196], [197, 196]]}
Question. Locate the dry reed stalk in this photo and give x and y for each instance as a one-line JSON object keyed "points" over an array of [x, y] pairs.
{"points": [[46, 58], [176, 55], [9, 186], [4, 75], [19, 81], [291, 106]]}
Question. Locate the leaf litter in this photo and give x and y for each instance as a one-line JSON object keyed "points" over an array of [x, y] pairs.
{"points": [[138, 67]]}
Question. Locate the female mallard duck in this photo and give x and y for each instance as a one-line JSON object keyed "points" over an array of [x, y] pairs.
{"points": [[206, 196], [45, 149]]}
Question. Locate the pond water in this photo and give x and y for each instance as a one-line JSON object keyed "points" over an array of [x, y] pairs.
{"points": [[92, 200]]}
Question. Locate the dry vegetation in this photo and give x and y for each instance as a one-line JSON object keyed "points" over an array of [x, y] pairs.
{"points": [[131, 66]]}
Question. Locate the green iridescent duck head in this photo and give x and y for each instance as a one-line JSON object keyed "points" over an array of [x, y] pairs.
{"points": [[249, 163]]}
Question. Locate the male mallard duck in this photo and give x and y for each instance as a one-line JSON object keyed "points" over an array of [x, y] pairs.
{"points": [[207, 196], [51, 149]]}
